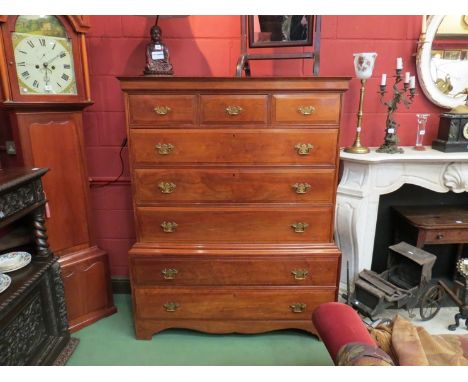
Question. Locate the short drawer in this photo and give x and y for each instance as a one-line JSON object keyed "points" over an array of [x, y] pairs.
{"points": [[253, 146], [161, 110], [253, 270], [306, 109], [236, 303], [234, 185], [244, 109], [240, 224]]}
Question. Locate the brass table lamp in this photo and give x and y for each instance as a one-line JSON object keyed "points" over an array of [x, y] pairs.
{"points": [[363, 65]]}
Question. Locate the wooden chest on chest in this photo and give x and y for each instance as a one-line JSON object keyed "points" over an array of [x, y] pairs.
{"points": [[234, 183]]}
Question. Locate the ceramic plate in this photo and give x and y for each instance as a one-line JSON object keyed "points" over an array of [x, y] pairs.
{"points": [[5, 281], [14, 260]]}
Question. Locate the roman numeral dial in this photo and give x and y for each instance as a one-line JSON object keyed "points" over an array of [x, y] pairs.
{"points": [[44, 64]]}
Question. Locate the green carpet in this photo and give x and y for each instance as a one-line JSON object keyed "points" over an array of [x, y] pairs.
{"points": [[111, 342]]}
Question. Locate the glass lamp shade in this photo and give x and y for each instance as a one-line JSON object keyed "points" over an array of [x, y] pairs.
{"points": [[364, 64]]}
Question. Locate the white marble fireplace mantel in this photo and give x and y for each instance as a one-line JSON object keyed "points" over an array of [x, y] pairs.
{"points": [[367, 176]]}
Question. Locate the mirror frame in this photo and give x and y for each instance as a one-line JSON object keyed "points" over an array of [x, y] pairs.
{"points": [[423, 67], [277, 44]]}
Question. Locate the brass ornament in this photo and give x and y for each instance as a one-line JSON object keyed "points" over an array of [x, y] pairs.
{"points": [[304, 148], [299, 227], [301, 188], [171, 306], [169, 227], [169, 273], [164, 148], [233, 110], [162, 110], [300, 274], [298, 307], [306, 110], [167, 187]]}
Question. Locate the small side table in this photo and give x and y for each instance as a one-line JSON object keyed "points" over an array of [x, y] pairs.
{"points": [[432, 225]]}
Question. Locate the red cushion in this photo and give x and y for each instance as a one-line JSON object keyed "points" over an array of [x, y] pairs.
{"points": [[337, 325]]}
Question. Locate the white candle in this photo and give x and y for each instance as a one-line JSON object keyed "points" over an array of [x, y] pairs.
{"points": [[407, 77], [424, 24], [383, 81], [412, 82], [399, 63]]}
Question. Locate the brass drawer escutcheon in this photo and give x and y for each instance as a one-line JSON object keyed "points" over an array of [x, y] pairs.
{"points": [[306, 110], [167, 187], [171, 306], [233, 110], [299, 227], [304, 148], [301, 188], [298, 308], [164, 148], [162, 110], [169, 226], [300, 274], [169, 273]]}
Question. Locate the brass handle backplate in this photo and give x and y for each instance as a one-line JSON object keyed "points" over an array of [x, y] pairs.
{"points": [[164, 148], [298, 307], [162, 110], [169, 273], [299, 227], [233, 110], [301, 188], [169, 226], [167, 187], [300, 274], [171, 306], [304, 148], [306, 110]]}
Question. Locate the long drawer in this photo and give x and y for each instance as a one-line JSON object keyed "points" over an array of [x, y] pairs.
{"points": [[256, 270], [234, 185], [233, 304], [236, 146], [240, 224]]}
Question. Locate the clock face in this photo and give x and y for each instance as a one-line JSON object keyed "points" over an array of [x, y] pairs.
{"points": [[465, 131], [44, 64]]}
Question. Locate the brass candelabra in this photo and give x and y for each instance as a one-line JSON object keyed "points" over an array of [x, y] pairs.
{"points": [[400, 95]]}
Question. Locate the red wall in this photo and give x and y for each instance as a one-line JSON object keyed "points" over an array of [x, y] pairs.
{"points": [[210, 46]]}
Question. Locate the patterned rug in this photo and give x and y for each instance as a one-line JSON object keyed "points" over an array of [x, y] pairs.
{"points": [[66, 353]]}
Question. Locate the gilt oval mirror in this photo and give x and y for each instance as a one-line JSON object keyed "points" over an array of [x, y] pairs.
{"points": [[442, 61]]}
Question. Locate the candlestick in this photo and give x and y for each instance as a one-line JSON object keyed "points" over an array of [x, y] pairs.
{"points": [[399, 63], [383, 81]]}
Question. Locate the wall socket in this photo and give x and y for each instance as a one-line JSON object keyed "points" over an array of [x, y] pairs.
{"points": [[10, 147]]}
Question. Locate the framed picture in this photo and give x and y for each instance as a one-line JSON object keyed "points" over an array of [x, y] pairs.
{"points": [[452, 54]]}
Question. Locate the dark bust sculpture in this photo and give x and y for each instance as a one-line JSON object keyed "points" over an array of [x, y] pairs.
{"points": [[157, 55]]}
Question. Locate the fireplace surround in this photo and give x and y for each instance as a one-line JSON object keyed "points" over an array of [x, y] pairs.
{"points": [[366, 177]]}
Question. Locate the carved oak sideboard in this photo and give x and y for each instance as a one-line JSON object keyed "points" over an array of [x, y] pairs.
{"points": [[33, 315]]}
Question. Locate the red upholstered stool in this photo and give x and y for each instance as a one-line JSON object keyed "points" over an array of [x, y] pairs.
{"points": [[337, 325]]}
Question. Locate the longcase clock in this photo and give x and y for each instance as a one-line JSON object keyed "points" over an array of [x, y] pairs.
{"points": [[44, 90]]}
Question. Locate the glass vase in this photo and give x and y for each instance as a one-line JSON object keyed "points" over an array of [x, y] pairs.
{"points": [[422, 120]]}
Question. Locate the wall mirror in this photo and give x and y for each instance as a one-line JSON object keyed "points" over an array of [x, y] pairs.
{"points": [[259, 31], [277, 31], [442, 60]]}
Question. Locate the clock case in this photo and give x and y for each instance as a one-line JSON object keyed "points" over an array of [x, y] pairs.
{"points": [[46, 130], [450, 134]]}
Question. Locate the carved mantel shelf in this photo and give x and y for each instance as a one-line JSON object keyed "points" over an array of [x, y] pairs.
{"points": [[367, 176]]}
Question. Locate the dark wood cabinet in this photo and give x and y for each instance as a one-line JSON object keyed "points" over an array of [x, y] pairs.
{"points": [[234, 183], [33, 315]]}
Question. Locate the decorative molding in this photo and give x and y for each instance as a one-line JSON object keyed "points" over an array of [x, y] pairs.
{"points": [[456, 177], [59, 298]]}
